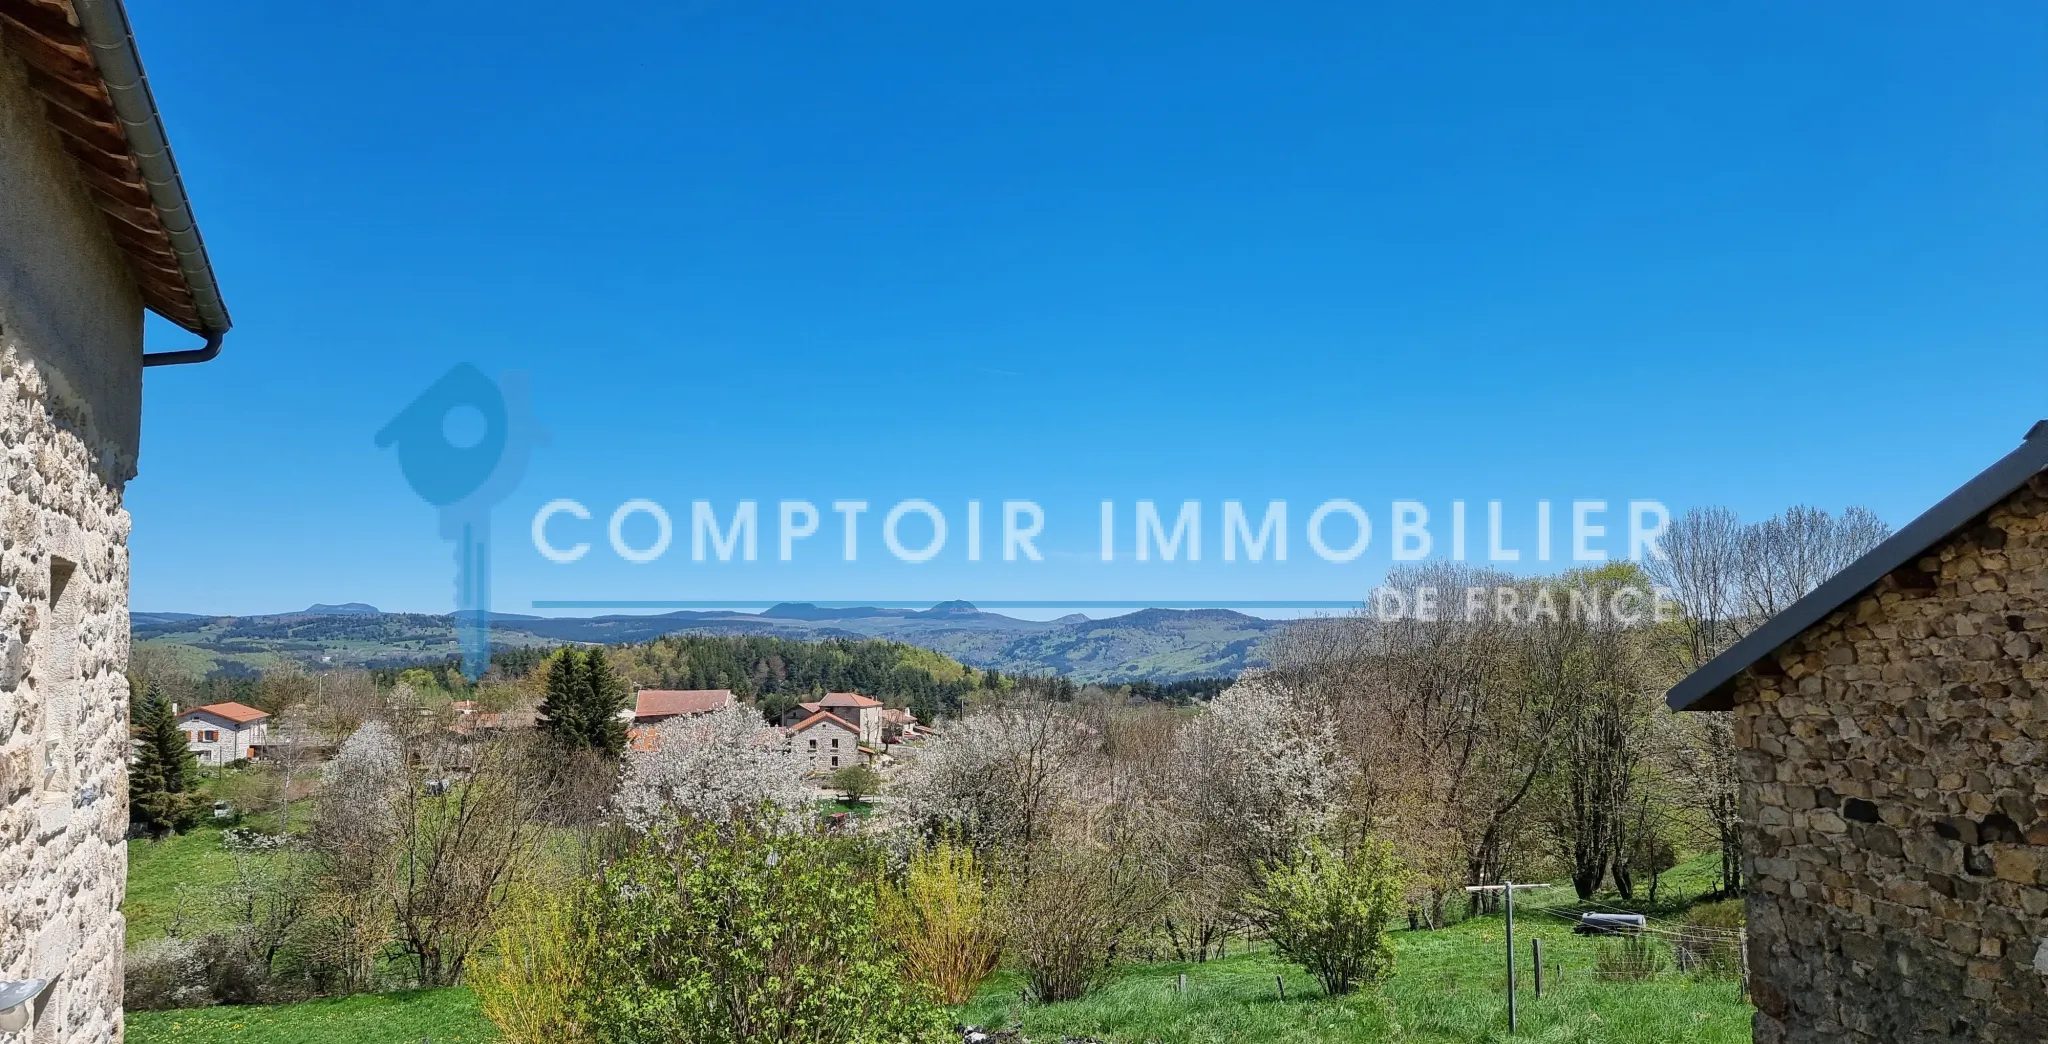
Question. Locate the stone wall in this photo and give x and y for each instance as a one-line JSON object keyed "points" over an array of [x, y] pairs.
{"points": [[64, 713], [1895, 791], [70, 424]]}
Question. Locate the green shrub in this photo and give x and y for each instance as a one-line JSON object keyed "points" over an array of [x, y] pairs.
{"points": [[1328, 912], [855, 782], [533, 992], [1069, 907], [944, 920], [1710, 942], [738, 934], [1630, 958]]}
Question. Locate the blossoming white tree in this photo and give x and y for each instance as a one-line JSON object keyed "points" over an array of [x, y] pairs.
{"points": [[1001, 776], [709, 766], [1266, 767]]}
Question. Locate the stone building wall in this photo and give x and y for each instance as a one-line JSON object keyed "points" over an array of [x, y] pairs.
{"points": [[1895, 794], [70, 422], [63, 706]]}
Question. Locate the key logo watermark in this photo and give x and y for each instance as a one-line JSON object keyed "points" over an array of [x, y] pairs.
{"points": [[463, 446]]}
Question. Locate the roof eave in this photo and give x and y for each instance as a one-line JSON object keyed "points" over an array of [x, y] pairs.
{"points": [[82, 59], [105, 23]]}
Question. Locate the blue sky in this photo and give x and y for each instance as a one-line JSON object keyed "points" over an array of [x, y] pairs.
{"points": [[1754, 255]]}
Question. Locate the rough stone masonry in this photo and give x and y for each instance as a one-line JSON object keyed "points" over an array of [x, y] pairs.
{"points": [[63, 707], [1895, 802]]}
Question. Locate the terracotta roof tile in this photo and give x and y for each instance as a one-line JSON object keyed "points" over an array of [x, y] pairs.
{"points": [[655, 704], [820, 718], [848, 699], [239, 713]]}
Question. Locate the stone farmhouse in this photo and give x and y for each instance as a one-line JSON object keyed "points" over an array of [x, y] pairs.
{"points": [[1892, 737], [219, 733], [830, 742], [95, 228], [862, 713]]}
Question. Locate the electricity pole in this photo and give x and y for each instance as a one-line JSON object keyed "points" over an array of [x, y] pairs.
{"points": [[1507, 891]]}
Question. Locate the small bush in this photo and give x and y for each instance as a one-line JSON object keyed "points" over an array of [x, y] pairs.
{"points": [[741, 934], [944, 921], [1710, 943], [162, 974], [234, 973], [215, 968], [1329, 912], [531, 992], [1069, 908], [855, 782], [1630, 958]]}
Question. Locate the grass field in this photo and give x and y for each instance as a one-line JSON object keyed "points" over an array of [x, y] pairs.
{"points": [[441, 1016], [174, 882], [1449, 987]]}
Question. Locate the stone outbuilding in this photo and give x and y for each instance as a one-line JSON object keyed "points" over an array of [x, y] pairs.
{"points": [[1892, 738], [94, 229]]}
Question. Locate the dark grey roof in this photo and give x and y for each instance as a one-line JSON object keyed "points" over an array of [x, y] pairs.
{"points": [[1709, 687]]}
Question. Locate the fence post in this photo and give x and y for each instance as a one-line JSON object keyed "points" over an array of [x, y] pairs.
{"points": [[1537, 945], [1507, 891], [1742, 946], [1282, 984], [1181, 987]]}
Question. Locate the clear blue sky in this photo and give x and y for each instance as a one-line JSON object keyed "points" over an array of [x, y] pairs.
{"points": [[1752, 254]]}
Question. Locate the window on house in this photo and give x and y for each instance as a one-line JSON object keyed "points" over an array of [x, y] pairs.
{"points": [[814, 744], [835, 761], [835, 744], [212, 736]]}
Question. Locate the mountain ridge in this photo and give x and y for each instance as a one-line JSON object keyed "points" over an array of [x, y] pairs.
{"points": [[1149, 644]]}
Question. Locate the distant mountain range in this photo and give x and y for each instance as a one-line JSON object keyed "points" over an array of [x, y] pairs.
{"points": [[1151, 644]]}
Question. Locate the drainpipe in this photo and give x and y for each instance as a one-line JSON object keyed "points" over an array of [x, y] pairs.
{"points": [[105, 24], [190, 355]]}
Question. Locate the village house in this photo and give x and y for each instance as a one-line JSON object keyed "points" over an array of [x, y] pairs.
{"points": [[899, 726], [94, 229], [862, 713], [1892, 734], [654, 706], [830, 742], [219, 733]]}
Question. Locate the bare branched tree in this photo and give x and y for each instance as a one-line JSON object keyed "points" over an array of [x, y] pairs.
{"points": [[461, 842], [1727, 579]]}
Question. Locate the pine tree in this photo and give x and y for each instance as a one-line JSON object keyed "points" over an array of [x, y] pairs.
{"points": [[165, 774], [606, 694], [559, 706], [583, 701]]}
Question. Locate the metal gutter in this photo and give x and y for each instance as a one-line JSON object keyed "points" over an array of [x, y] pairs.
{"points": [[1710, 687], [105, 24]]}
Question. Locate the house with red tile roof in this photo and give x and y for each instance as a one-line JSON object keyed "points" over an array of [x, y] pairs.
{"points": [[863, 713], [829, 741], [654, 706], [899, 725], [219, 733]]}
